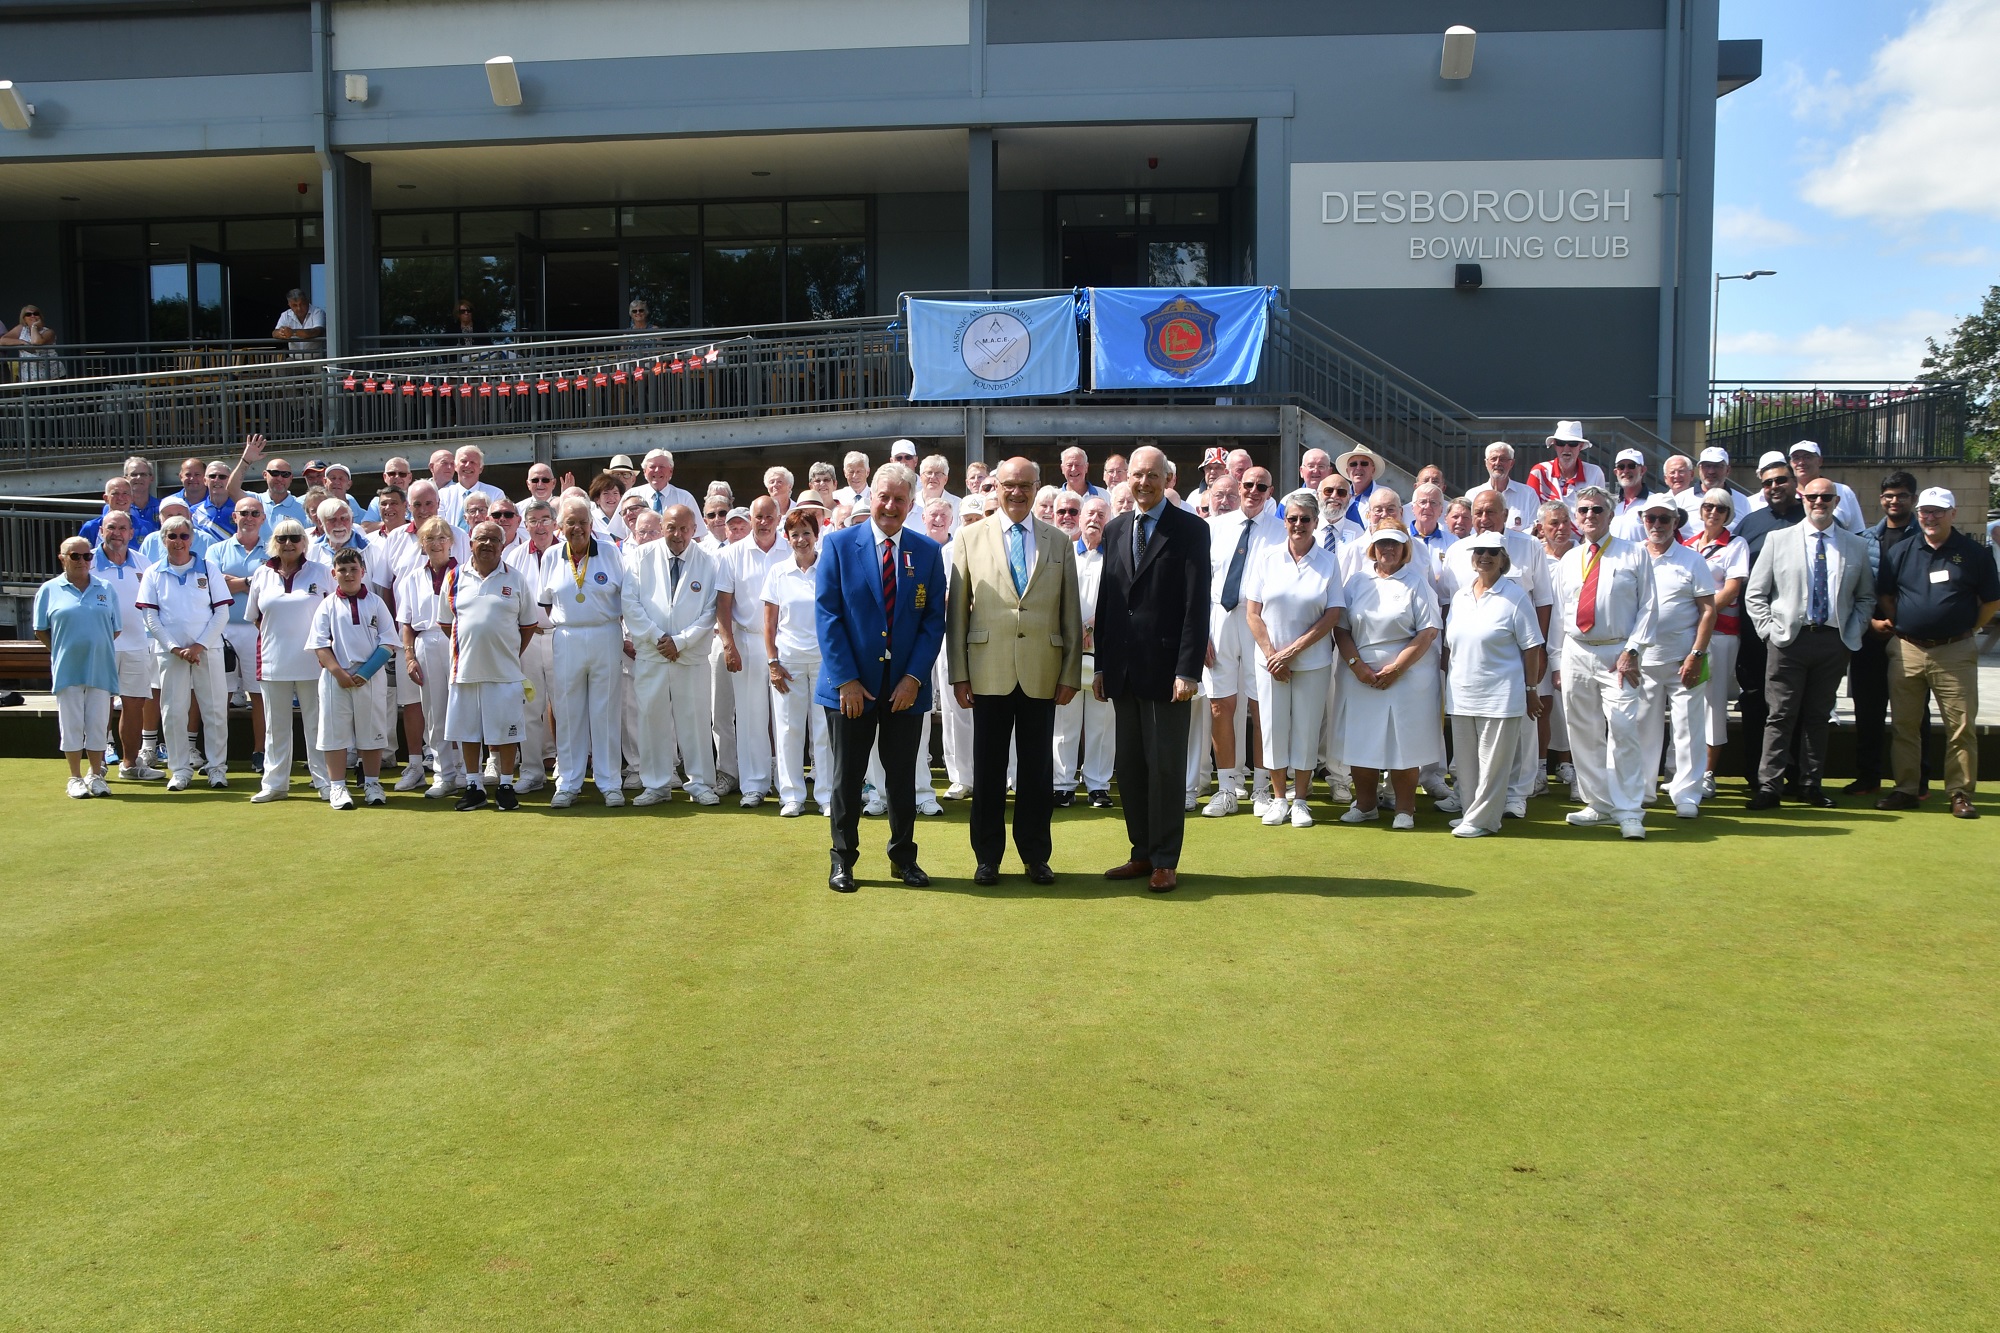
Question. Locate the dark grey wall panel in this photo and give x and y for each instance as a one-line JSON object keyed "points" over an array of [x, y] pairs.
{"points": [[1542, 352], [144, 46], [32, 275], [1020, 226], [1018, 21], [919, 244]]}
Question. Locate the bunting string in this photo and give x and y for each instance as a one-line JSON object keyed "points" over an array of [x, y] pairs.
{"points": [[521, 384]]}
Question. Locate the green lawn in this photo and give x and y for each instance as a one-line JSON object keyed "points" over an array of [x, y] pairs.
{"points": [[274, 1067]]}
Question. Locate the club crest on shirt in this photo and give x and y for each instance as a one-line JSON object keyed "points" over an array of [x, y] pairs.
{"points": [[201, 581], [506, 591], [602, 577]]}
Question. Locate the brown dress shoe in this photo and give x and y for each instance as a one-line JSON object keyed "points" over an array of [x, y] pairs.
{"points": [[1136, 868], [1164, 880], [1896, 800], [1961, 806]]}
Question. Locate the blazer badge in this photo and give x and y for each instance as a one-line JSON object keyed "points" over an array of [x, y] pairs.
{"points": [[923, 595]]}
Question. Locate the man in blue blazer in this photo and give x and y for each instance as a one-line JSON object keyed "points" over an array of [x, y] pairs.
{"points": [[881, 601]]}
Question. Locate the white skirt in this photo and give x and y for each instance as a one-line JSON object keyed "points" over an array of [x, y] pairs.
{"points": [[1400, 727]]}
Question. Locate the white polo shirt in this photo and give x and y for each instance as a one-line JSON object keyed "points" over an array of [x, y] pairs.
{"points": [[1487, 636], [186, 600], [1679, 576], [124, 580], [1294, 594], [421, 591], [1528, 567], [583, 594], [1521, 502], [402, 551], [794, 592], [741, 571], [486, 615], [354, 627], [282, 609]]}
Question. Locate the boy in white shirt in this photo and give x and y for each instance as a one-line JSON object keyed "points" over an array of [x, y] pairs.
{"points": [[353, 713]]}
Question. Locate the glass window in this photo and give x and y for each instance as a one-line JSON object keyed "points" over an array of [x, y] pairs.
{"points": [[1095, 210], [486, 282], [497, 228], [403, 231], [740, 285], [263, 234], [745, 220], [170, 240], [1177, 263], [111, 242], [578, 224], [664, 280], [826, 280], [168, 318], [416, 294], [660, 220], [309, 233], [1181, 210], [834, 217], [114, 301]]}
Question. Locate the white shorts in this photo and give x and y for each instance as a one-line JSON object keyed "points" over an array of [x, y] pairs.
{"points": [[137, 674], [1235, 653], [493, 712], [83, 715], [356, 719]]}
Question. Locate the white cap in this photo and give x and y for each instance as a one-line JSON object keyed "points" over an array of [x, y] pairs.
{"points": [[1389, 535], [1804, 447], [1485, 541], [738, 512], [1629, 456], [903, 449], [1568, 432], [1660, 501], [340, 467], [1715, 453], [1937, 497], [1772, 458]]}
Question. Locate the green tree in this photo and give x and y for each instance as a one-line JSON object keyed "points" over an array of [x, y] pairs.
{"points": [[1970, 354]]}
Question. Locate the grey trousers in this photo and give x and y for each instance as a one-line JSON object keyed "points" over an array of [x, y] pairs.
{"points": [[1485, 754], [1152, 753], [1801, 681]]}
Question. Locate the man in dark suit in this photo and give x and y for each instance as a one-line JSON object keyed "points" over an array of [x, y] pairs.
{"points": [[1151, 639], [881, 613]]}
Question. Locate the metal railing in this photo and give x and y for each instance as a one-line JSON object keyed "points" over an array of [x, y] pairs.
{"points": [[1870, 421], [31, 530], [82, 361]]}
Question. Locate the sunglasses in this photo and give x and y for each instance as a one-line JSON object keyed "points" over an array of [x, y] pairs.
{"points": [[179, 536], [1340, 495], [31, 314], [1485, 555], [1820, 499], [277, 472], [1301, 519], [283, 540], [1659, 518], [74, 556], [1068, 513], [397, 473], [504, 513], [1581, 510], [1256, 486], [1769, 482], [1715, 509]]}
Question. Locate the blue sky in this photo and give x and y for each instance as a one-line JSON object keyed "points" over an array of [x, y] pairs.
{"points": [[1864, 166]]}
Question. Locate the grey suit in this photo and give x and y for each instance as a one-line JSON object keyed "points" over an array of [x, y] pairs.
{"points": [[1803, 671]]}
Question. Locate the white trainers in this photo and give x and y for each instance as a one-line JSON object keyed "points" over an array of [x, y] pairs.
{"points": [[1301, 816], [927, 804], [98, 786], [1448, 805], [339, 798], [533, 782], [1436, 787], [1588, 817], [791, 809], [1341, 790], [1514, 810], [218, 780], [562, 800], [1541, 784], [633, 782], [371, 792], [874, 807], [180, 782], [702, 795], [1687, 810], [1633, 830], [750, 800], [264, 795], [725, 783], [957, 791], [1566, 773], [1193, 802], [413, 777], [615, 798], [1461, 829], [1274, 813], [1220, 804], [442, 787], [1403, 822], [78, 789], [650, 796], [140, 772], [1354, 814], [1708, 786]]}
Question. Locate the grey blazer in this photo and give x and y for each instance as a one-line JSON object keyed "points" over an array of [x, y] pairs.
{"points": [[1781, 585]]}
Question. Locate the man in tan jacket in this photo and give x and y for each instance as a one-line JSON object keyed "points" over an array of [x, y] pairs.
{"points": [[1014, 646]]}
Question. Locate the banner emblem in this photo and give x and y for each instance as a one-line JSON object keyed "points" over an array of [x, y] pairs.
{"points": [[995, 346], [1180, 337]]}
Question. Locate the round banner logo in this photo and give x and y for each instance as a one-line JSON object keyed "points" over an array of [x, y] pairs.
{"points": [[1180, 337], [995, 346]]}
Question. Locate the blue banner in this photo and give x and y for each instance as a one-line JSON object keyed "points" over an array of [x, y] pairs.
{"points": [[992, 349], [1160, 338]]}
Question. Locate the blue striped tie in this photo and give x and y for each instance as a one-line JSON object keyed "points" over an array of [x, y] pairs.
{"points": [[1017, 558]]}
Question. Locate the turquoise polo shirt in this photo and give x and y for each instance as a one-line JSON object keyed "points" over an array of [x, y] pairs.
{"points": [[81, 624]]}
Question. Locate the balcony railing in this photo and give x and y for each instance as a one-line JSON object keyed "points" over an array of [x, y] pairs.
{"points": [[1852, 422]]}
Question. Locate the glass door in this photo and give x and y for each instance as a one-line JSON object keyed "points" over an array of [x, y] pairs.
{"points": [[528, 255], [208, 309], [580, 291], [663, 278]]}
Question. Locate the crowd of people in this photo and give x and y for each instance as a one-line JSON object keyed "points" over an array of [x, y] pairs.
{"points": [[1205, 642]]}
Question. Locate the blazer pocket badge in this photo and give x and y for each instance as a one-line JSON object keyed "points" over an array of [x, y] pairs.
{"points": [[923, 595]]}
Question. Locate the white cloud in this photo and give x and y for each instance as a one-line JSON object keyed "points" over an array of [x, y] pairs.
{"points": [[1935, 145], [1826, 101], [1889, 349], [1749, 227], [1975, 256]]}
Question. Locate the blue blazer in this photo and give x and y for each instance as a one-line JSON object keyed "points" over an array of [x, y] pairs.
{"points": [[853, 637]]}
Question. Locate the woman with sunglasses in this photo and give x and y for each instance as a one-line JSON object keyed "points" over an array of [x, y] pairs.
{"points": [[284, 592], [1728, 558], [37, 343], [77, 618], [185, 604], [1494, 640], [1295, 600]]}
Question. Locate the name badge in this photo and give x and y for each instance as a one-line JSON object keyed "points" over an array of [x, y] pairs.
{"points": [[1940, 576]]}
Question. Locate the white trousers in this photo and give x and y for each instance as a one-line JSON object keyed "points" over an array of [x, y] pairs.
{"points": [[179, 679], [1289, 717], [1084, 724], [1605, 718], [673, 701], [801, 723], [628, 711], [278, 695], [1682, 714], [242, 638], [957, 724], [588, 667], [750, 689], [83, 716], [434, 657], [1721, 687], [722, 712], [1484, 763], [538, 665]]}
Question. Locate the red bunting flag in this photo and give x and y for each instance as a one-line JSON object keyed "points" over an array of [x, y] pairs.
{"points": [[562, 385], [369, 387], [485, 389], [541, 386], [618, 377], [347, 383], [409, 389], [465, 391], [600, 379]]}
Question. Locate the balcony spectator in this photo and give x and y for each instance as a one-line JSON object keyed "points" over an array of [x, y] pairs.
{"points": [[302, 327], [36, 343]]}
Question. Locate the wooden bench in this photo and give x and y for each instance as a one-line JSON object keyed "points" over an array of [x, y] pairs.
{"points": [[25, 661]]}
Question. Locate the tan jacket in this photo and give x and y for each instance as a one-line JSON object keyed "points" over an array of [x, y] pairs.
{"points": [[997, 640]]}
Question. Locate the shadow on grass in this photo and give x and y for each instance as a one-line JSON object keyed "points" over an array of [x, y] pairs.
{"points": [[1194, 887]]}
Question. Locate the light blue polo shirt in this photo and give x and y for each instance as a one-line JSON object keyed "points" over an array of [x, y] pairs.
{"points": [[232, 559], [286, 507], [81, 624]]}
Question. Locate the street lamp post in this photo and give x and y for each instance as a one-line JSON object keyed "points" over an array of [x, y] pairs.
{"points": [[1715, 313]]}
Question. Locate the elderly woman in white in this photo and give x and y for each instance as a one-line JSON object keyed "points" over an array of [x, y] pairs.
{"points": [[1392, 724], [284, 592], [791, 641], [1495, 647], [1295, 595], [1728, 558]]}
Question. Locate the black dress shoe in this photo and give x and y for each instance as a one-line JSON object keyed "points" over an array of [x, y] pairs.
{"points": [[1859, 788], [1817, 799], [1065, 799], [1893, 799], [1100, 799], [913, 875], [1040, 873], [841, 880], [986, 874], [1763, 799]]}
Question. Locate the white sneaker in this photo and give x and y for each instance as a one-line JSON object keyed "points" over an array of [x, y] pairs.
{"points": [[702, 795], [533, 782], [1354, 814], [650, 796], [791, 809], [267, 794], [1687, 810], [1514, 810], [98, 786], [140, 772], [218, 780], [1220, 804], [1588, 817], [339, 798], [1274, 813], [1341, 791], [1708, 786], [413, 777], [1448, 805], [78, 789], [442, 787], [1437, 788], [750, 800], [875, 806], [1461, 829], [725, 783], [1566, 773], [1193, 802], [180, 782], [1632, 829], [957, 791], [615, 798], [927, 804], [1403, 822], [562, 800], [1301, 816], [1541, 784], [371, 792]]}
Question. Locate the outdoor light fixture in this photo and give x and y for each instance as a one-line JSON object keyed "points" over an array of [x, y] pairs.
{"points": [[505, 81], [1715, 309], [1458, 43], [357, 87], [15, 112], [1468, 278]]}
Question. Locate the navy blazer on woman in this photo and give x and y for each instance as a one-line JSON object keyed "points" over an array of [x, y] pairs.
{"points": [[853, 635]]}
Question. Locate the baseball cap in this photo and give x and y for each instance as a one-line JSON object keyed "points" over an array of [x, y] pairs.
{"points": [[340, 467], [1478, 541], [1937, 497], [903, 449], [1803, 447], [1629, 456], [315, 465], [1715, 453], [738, 512], [1772, 458], [1666, 502]]}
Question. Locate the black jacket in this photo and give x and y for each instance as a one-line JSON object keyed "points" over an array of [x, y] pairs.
{"points": [[1152, 622]]}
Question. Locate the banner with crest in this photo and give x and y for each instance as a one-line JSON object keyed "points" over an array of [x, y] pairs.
{"points": [[1163, 338]]}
